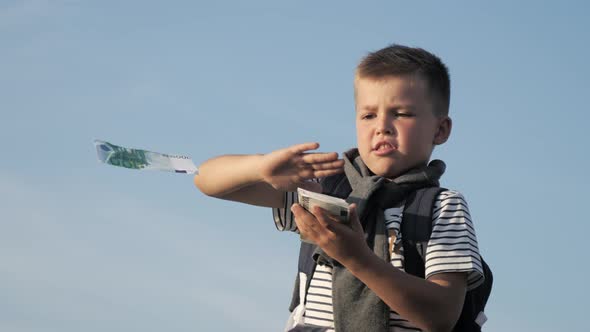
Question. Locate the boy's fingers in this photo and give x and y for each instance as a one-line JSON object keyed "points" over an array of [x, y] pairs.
{"points": [[300, 148], [323, 218], [302, 214], [320, 157], [306, 173], [326, 173], [355, 223], [328, 165], [303, 220]]}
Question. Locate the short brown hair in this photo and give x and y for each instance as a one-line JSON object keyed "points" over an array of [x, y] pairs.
{"points": [[396, 60]]}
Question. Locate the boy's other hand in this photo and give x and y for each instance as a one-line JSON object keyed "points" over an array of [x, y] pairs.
{"points": [[344, 243], [292, 167]]}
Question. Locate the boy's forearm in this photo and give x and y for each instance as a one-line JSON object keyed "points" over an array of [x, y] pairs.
{"points": [[429, 305], [224, 174], [237, 178]]}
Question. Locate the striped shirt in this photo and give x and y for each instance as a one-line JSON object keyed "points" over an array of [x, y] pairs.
{"points": [[452, 248]]}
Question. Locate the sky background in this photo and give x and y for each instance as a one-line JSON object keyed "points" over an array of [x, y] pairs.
{"points": [[89, 247]]}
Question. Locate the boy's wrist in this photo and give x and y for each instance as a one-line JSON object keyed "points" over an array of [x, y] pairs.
{"points": [[256, 175], [360, 261]]}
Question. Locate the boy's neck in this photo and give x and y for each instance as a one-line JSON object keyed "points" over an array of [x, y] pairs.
{"points": [[391, 178]]}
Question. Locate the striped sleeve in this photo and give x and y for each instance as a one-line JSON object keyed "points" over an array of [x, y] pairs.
{"points": [[283, 217], [453, 245]]}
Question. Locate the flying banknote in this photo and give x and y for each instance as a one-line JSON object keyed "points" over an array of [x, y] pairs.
{"points": [[141, 159]]}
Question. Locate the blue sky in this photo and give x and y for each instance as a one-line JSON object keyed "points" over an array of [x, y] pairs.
{"points": [[86, 247]]}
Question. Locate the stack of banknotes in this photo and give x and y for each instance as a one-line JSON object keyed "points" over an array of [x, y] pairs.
{"points": [[142, 159], [332, 205]]}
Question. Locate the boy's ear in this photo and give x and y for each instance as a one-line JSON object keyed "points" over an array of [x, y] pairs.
{"points": [[444, 130]]}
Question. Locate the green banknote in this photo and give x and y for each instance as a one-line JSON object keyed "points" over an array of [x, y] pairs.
{"points": [[142, 159]]}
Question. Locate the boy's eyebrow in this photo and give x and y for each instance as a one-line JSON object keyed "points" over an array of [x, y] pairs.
{"points": [[373, 108], [368, 108], [408, 107]]}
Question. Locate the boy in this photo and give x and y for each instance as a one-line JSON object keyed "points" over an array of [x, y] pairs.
{"points": [[402, 99]]}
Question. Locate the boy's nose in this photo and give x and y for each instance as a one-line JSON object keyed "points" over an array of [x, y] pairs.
{"points": [[385, 131], [385, 128]]}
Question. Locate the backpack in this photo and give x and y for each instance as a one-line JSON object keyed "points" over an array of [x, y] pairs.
{"points": [[416, 227]]}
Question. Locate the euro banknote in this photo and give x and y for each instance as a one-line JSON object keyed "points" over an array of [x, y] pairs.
{"points": [[142, 159], [335, 206]]}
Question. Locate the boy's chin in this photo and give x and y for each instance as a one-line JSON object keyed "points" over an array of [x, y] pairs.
{"points": [[391, 175], [390, 171], [386, 172]]}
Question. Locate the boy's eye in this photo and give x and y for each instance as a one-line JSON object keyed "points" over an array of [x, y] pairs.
{"points": [[403, 115], [367, 116]]}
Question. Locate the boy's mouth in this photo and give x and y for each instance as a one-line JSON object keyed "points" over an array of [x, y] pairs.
{"points": [[383, 148]]}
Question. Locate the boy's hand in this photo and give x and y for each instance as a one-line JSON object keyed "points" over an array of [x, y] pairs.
{"points": [[339, 241], [289, 168]]}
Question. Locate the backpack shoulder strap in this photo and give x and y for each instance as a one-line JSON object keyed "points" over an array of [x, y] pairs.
{"points": [[416, 226], [306, 266], [335, 185]]}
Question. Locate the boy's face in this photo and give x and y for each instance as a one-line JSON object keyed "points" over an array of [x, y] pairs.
{"points": [[395, 124]]}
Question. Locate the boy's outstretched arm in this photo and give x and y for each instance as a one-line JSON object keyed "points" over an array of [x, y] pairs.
{"points": [[432, 305], [263, 179]]}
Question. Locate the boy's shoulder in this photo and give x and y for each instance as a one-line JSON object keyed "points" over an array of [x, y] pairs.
{"points": [[451, 197], [448, 194], [449, 202]]}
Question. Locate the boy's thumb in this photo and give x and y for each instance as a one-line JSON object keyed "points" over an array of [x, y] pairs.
{"points": [[355, 223]]}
